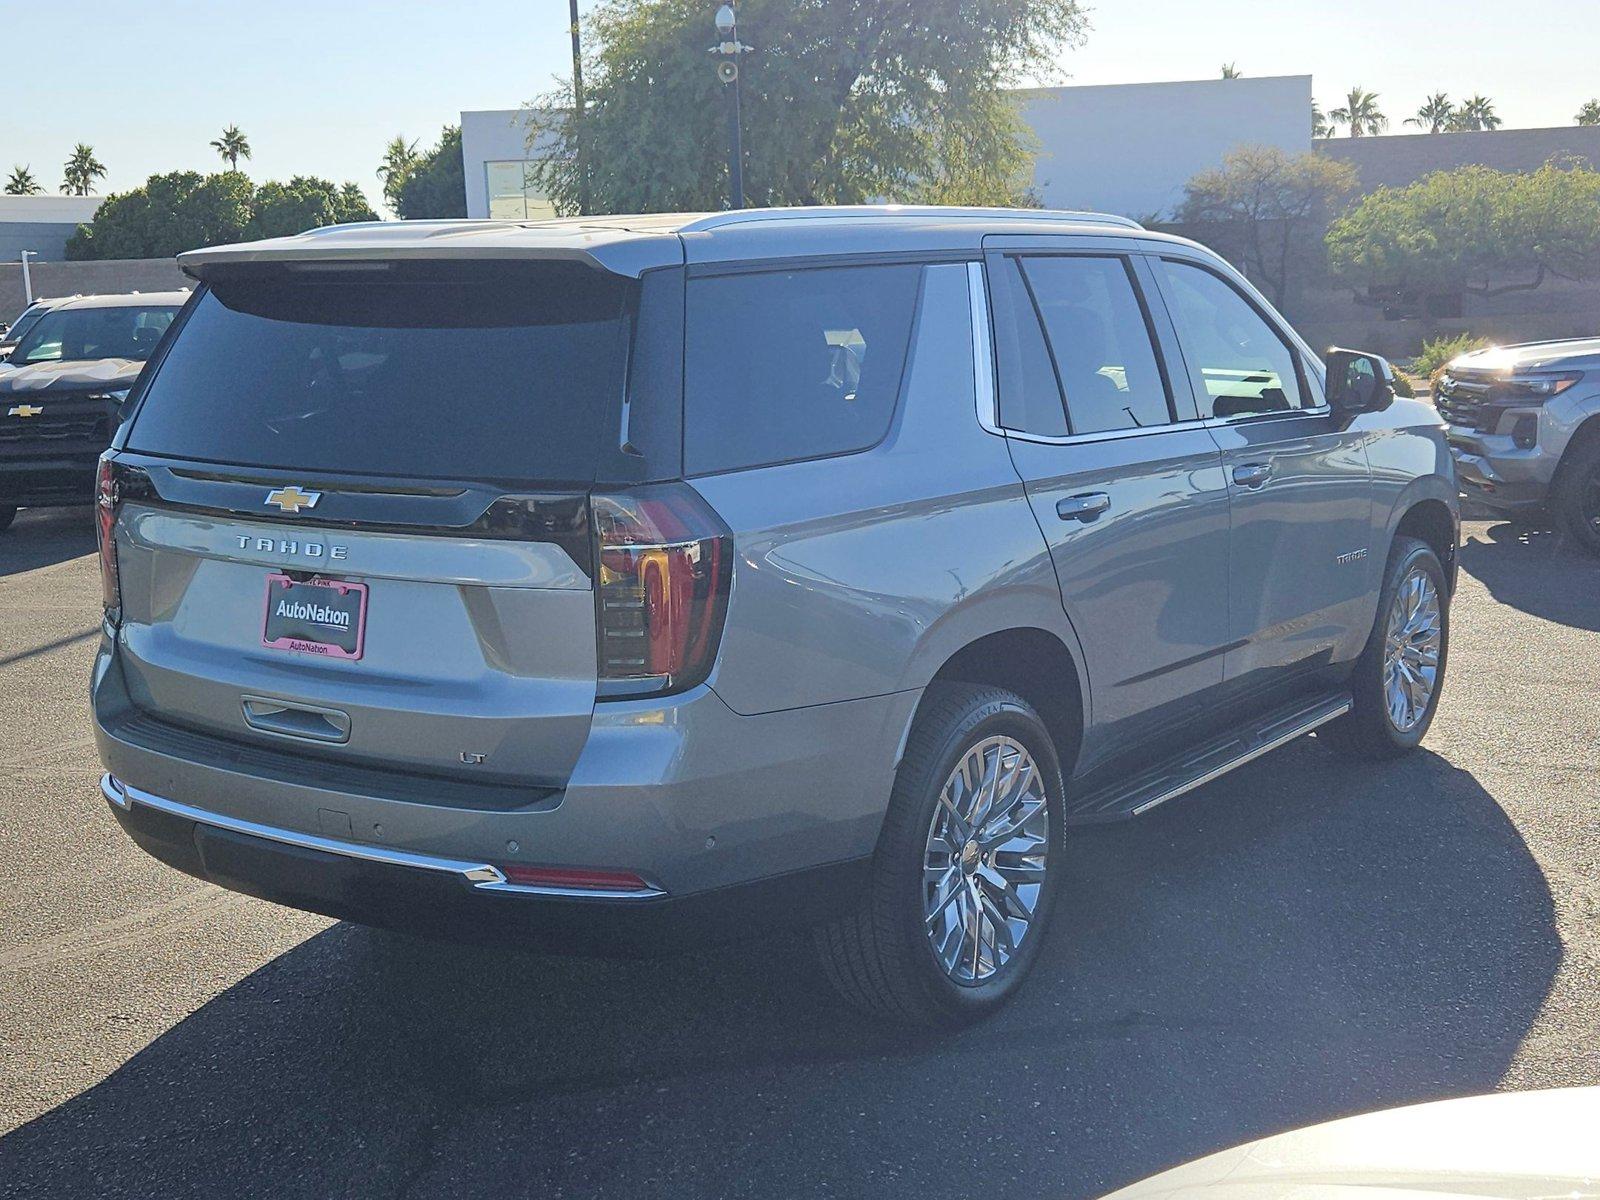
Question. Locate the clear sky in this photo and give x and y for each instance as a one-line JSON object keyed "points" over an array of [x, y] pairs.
{"points": [[319, 88]]}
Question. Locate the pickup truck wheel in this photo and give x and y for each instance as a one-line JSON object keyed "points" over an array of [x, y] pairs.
{"points": [[1396, 683], [8, 514], [1578, 493], [967, 867]]}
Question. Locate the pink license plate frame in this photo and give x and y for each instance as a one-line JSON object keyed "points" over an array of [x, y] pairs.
{"points": [[278, 581]]}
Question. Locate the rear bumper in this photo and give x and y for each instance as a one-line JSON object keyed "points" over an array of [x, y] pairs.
{"points": [[460, 899], [689, 795]]}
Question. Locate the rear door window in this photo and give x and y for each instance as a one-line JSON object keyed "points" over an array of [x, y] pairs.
{"points": [[1100, 342], [781, 366], [1239, 363], [471, 371]]}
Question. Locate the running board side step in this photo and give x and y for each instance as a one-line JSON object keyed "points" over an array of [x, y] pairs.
{"points": [[1130, 797]]}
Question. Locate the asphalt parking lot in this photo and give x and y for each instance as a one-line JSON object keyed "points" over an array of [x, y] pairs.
{"points": [[1302, 940]]}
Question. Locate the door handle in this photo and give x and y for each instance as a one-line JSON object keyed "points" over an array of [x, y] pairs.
{"points": [[1252, 475], [1085, 507]]}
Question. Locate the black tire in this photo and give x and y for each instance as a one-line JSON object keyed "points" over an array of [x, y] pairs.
{"points": [[8, 514], [880, 957], [1367, 730], [1577, 493]]}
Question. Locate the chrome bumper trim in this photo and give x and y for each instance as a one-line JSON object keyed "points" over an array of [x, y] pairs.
{"points": [[483, 876]]}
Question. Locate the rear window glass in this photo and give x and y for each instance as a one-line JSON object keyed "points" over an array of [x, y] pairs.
{"points": [[787, 365], [73, 334], [509, 372]]}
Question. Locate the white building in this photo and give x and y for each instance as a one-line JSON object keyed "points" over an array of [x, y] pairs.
{"points": [[1122, 148], [41, 224]]}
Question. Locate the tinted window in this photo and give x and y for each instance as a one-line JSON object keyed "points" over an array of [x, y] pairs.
{"points": [[1239, 363], [507, 372], [1100, 342], [1030, 397], [27, 320], [70, 334], [780, 366]]}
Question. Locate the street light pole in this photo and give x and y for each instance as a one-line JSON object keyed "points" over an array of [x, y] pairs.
{"points": [[577, 109], [27, 280], [729, 48]]}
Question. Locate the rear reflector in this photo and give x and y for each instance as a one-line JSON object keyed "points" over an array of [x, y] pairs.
{"points": [[575, 878]]}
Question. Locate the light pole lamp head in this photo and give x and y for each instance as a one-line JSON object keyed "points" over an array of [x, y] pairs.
{"points": [[726, 21]]}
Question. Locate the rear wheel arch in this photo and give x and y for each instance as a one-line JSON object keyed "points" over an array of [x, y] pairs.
{"points": [[1035, 664]]}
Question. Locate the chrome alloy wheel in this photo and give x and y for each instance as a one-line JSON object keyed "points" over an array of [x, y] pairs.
{"points": [[984, 865], [1413, 637]]}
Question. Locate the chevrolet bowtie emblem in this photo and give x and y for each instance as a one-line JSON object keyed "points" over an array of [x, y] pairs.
{"points": [[291, 499], [24, 410]]}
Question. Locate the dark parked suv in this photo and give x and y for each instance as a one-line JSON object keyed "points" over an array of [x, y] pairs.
{"points": [[609, 582], [62, 388]]}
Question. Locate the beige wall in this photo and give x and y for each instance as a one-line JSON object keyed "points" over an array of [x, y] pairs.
{"points": [[1394, 160], [88, 278]]}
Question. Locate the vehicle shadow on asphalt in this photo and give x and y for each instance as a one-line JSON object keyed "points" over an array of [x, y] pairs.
{"points": [[1303, 940], [42, 537], [1539, 570]]}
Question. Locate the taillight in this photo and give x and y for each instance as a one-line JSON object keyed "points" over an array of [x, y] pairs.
{"points": [[106, 499], [664, 565]]}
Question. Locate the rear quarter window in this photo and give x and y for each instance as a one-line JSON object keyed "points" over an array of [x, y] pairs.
{"points": [[781, 366]]}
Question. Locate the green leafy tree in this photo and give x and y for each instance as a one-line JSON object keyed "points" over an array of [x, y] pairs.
{"points": [[435, 185], [22, 183], [843, 102], [1231, 71], [306, 202], [1589, 114], [399, 159], [184, 209], [232, 146], [169, 214], [1474, 114], [1435, 114], [1360, 113], [1473, 231], [1268, 210], [81, 170]]}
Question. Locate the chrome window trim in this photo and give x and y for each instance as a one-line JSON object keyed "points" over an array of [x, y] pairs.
{"points": [[484, 877], [983, 381]]}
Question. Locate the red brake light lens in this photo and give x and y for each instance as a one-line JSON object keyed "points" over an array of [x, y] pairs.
{"points": [[106, 499], [664, 564]]}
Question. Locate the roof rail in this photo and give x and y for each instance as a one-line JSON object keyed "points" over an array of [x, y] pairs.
{"points": [[748, 216]]}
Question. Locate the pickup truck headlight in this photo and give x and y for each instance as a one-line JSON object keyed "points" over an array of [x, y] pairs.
{"points": [[1536, 388]]}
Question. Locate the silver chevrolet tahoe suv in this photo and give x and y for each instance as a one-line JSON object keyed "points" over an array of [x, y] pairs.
{"points": [[611, 583], [1524, 424]]}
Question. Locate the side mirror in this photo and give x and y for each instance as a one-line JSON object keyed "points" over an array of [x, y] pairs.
{"points": [[1359, 382]]}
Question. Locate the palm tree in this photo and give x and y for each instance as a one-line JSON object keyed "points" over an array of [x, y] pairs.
{"points": [[82, 169], [1361, 113], [1475, 114], [1231, 71], [399, 158], [22, 183], [1589, 114], [232, 145], [1435, 114], [1319, 122]]}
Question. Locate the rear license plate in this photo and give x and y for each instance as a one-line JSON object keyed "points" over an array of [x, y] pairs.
{"points": [[318, 616]]}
